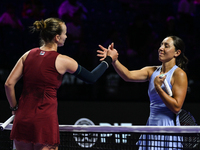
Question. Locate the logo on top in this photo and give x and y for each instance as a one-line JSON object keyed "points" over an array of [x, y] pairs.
{"points": [[42, 53]]}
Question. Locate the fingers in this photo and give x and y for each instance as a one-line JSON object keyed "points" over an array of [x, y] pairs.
{"points": [[101, 52], [107, 52], [103, 48], [101, 59], [159, 79], [100, 55], [109, 47], [13, 112], [112, 46], [162, 76]]}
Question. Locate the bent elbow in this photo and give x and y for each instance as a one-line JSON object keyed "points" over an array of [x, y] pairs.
{"points": [[8, 85], [176, 110], [126, 79]]}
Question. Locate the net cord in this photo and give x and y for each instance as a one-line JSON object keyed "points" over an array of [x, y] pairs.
{"points": [[117, 129]]}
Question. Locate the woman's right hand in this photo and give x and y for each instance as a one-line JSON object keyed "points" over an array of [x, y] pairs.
{"points": [[102, 53], [112, 52], [108, 52]]}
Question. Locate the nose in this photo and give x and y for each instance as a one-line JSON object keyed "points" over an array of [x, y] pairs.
{"points": [[161, 47]]}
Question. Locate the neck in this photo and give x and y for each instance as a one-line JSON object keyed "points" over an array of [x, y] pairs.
{"points": [[49, 47], [167, 66]]}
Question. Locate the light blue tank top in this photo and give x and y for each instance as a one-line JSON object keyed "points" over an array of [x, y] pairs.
{"points": [[159, 113]]}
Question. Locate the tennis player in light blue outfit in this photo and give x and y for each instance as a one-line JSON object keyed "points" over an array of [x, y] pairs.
{"points": [[160, 115], [163, 107]]}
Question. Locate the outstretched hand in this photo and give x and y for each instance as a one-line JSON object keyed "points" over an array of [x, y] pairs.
{"points": [[108, 52], [102, 53]]}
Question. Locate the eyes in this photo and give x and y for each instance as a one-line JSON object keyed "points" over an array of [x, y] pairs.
{"points": [[166, 45]]}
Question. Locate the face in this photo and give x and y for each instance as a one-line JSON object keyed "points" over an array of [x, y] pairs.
{"points": [[167, 50], [63, 36]]}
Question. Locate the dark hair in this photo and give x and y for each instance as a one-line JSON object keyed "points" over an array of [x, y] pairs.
{"points": [[181, 60], [48, 28]]}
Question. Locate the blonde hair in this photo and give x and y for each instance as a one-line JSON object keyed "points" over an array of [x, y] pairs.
{"points": [[48, 28], [39, 25]]}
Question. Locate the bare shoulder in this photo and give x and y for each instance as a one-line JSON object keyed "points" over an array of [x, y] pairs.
{"points": [[179, 76], [179, 73], [64, 58], [65, 63], [150, 70], [24, 56]]}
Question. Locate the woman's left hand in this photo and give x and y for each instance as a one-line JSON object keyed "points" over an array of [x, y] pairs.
{"points": [[158, 81], [13, 112]]}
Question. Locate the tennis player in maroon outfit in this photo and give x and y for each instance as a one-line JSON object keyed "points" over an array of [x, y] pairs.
{"points": [[35, 126]]}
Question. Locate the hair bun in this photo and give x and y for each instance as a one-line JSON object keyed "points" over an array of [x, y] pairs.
{"points": [[39, 25]]}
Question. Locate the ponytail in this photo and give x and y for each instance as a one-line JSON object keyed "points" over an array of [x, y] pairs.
{"points": [[48, 28], [181, 60]]}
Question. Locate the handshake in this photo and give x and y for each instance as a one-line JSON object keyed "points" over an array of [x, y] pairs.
{"points": [[104, 52]]}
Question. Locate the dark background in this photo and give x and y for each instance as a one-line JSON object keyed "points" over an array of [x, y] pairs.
{"points": [[144, 23]]}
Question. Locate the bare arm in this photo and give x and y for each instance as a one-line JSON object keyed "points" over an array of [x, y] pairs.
{"points": [[179, 90], [141, 75], [66, 64], [12, 79]]}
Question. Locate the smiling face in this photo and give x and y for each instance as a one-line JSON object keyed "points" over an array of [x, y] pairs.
{"points": [[167, 51]]}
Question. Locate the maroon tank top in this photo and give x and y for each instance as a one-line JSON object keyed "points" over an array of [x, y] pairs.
{"points": [[36, 119]]}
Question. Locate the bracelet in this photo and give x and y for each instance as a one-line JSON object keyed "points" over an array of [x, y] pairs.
{"points": [[107, 60], [14, 108]]}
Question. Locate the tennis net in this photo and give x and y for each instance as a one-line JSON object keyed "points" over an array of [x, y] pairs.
{"points": [[89, 137]]}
